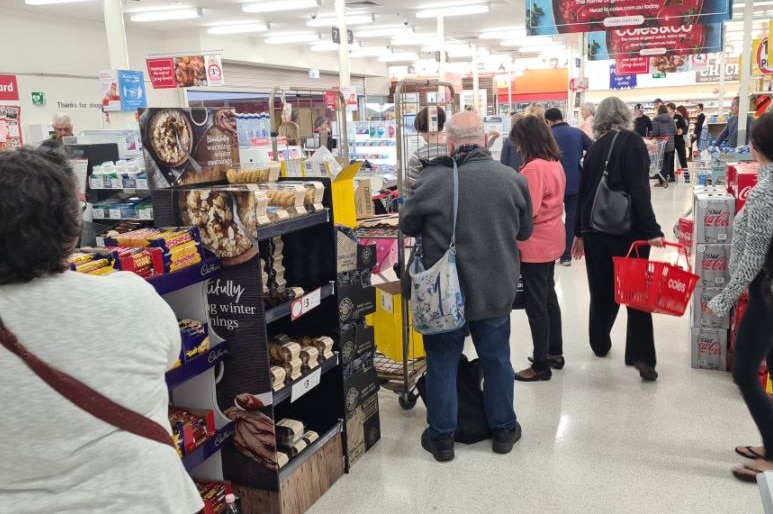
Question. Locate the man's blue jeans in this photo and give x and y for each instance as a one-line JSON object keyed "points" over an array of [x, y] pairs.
{"points": [[492, 342]]}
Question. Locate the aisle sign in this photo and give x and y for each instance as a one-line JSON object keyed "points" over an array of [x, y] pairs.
{"points": [[545, 17], [9, 89], [648, 41]]}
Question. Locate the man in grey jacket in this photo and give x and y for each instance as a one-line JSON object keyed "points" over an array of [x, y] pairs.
{"points": [[495, 212]]}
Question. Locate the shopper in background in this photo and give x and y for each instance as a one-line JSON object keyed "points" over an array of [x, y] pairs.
{"points": [[752, 234], [628, 170], [681, 119], [587, 112], [62, 125], [494, 213], [656, 104], [663, 126], [700, 120], [642, 123], [510, 156], [289, 129], [536, 109], [435, 143], [56, 456], [547, 183], [573, 144], [729, 134]]}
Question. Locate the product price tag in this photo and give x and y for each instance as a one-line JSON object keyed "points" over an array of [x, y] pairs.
{"points": [[305, 384], [115, 214], [145, 214], [116, 183], [129, 183], [96, 183], [305, 303], [142, 183]]}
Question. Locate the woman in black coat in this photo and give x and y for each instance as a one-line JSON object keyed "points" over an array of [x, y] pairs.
{"points": [[628, 170]]}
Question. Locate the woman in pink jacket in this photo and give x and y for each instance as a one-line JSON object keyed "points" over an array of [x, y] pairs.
{"points": [[547, 181]]}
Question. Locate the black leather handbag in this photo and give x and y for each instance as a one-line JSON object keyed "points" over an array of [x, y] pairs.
{"points": [[611, 211]]}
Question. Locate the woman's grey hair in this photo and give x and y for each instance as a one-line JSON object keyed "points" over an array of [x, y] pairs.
{"points": [[590, 107], [612, 114], [465, 133], [61, 117]]}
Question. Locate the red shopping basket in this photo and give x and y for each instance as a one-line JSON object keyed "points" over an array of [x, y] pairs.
{"points": [[652, 286]]}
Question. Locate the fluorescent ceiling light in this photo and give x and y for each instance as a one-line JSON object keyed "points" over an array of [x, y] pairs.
{"points": [[354, 19], [383, 31], [399, 56], [414, 40], [281, 5], [297, 37], [327, 46], [166, 15], [238, 28], [504, 34], [457, 10], [369, 51], [51, 2]]}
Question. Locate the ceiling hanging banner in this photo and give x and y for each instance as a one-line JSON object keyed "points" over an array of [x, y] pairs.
{"points": [[633, 65], [546, 17], [186, 71], [649, 41]]}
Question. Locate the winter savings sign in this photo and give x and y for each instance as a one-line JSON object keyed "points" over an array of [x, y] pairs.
{"points": [[544, 17]]}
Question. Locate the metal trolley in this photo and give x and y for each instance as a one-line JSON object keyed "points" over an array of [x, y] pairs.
{"points": [[410, 97], [656, 147]]}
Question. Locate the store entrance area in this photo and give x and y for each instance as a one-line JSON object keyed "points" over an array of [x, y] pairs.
{"points": [[596, 438]]}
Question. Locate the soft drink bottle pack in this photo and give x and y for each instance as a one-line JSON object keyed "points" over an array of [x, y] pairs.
{"points": [[712, 264], [709, 348], [702, 317], [713, 212]]}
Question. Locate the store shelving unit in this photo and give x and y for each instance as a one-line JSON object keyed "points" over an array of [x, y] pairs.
{"points": [[374, 141], [239, 314]]}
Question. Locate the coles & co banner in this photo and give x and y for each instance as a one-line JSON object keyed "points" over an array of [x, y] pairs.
{"points": [[545, 17], [651, 41]]}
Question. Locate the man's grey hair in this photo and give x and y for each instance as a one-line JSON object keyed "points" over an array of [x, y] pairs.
{"points": [[61, 117], [612, 114], [464, 135]]}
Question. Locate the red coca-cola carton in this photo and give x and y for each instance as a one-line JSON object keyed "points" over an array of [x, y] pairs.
{"points": [[713, 212], [712, 264], [685, 229], [709, 349], [745, 180], [702, 317], [731, 172]]}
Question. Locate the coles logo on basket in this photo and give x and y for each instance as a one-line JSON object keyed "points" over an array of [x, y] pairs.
{"points": [[677, 285]]}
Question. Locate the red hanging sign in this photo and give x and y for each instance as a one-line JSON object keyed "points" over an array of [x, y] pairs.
{"points": [[633, 66], [161, 73], [9, 89]]}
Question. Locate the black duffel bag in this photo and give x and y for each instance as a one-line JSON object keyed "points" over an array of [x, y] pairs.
{"points": [[472, 425]]}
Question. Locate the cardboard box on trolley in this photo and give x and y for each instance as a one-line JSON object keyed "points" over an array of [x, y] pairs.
{"points": [[388, 324]]}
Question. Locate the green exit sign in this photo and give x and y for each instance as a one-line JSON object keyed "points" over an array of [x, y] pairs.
{"points": [[38, 98]]}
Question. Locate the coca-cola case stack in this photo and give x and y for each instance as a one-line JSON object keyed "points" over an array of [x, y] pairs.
{"points": [[741, 178], [714, 210]]}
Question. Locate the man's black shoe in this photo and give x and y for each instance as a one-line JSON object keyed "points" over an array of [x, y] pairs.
{"points": [[441, 448], [505, 439]]}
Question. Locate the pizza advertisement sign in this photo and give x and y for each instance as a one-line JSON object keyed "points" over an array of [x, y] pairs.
{"points": [[546, 17], [654, 41]]}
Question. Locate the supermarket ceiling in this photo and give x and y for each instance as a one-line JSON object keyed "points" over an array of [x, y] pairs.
{"points": [[376, 23]]}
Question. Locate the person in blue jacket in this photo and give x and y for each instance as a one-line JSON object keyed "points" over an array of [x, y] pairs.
{"points": [[573, 144]]}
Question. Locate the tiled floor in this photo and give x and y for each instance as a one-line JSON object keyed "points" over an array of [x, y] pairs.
{"points": [[595, 438]]}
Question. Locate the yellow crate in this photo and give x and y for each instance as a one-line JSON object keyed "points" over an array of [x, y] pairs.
{"points": [[387, 322], [344, 212]]}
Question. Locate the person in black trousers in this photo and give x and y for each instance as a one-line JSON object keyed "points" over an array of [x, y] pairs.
{"points": [[696, 137], [751, 264], [681, 118], [628, 170]]}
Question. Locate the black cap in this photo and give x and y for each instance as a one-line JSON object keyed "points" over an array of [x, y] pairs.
{"points": [[554, 114], [637, 107], [658, 101]]}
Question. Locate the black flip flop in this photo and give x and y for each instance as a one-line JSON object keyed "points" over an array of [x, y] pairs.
{"points": [[747, 474], [751, 453]]}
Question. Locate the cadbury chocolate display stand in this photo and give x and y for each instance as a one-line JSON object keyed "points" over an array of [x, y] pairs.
{"points": [[273, 301]]}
